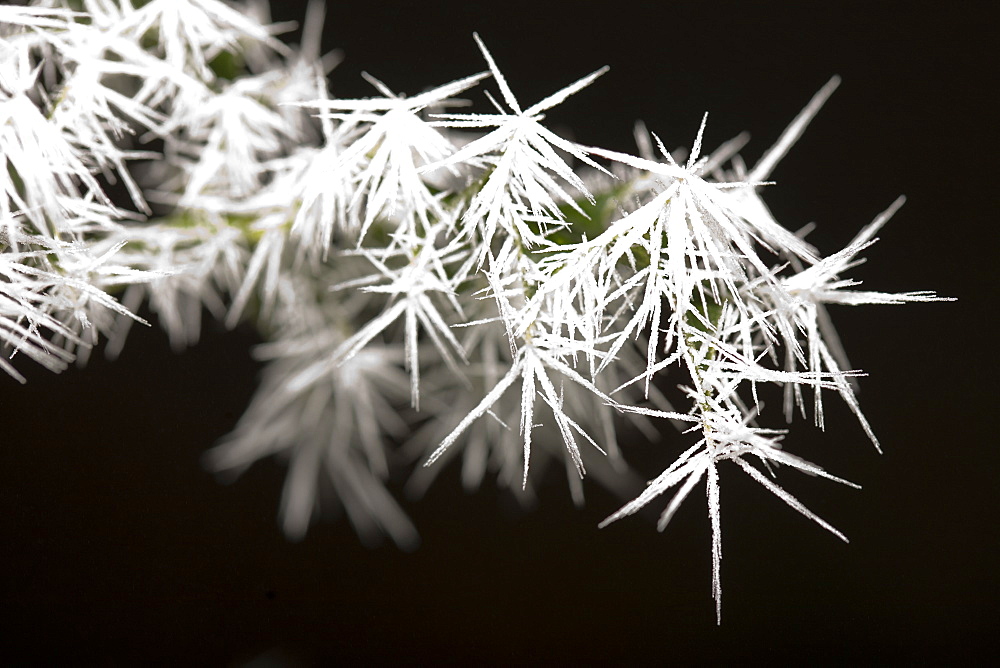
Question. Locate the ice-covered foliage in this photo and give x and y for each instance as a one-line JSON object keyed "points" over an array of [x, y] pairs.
{"points": [[432, 285]]}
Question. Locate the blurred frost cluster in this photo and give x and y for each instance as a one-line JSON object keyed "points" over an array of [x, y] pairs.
{"points": [[432, 285]]}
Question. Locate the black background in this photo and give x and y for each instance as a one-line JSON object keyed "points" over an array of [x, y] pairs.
{"points": [[118, 547]]}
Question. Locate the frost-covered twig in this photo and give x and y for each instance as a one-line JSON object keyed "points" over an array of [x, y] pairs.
{"points": [[431, 285]]}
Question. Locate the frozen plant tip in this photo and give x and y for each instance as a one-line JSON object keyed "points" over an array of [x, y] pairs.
{"points": [[430, 285]]}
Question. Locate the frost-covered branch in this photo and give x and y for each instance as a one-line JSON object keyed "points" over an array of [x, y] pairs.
{"points": [[431, 285]]}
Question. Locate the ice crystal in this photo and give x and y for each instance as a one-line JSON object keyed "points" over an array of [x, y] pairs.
{"points": [[431, 285]]}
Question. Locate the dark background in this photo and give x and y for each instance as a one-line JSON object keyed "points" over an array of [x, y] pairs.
{"points": [[117, 546]]}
